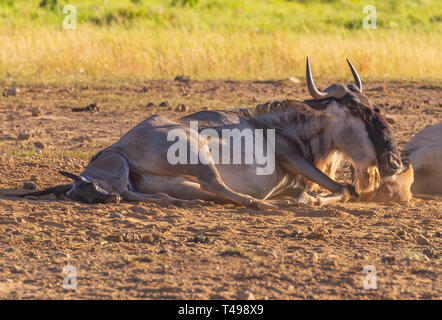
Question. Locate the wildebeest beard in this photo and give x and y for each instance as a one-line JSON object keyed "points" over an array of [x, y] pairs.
{"points": [[378, 131]]}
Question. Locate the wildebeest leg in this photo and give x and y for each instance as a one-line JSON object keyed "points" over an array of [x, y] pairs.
{"points": [[159, 198], [296, 164], [310, 196], [210, 181]]}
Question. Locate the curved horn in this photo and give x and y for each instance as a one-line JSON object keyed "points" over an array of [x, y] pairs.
{"points": [[69, 175], [358, 81], [314, 92]]}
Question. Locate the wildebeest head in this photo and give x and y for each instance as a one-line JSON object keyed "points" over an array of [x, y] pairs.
{"points": [[359, 129], [89, 191]]}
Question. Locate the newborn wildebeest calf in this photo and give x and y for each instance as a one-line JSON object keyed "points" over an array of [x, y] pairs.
{"points": [[307, 135]]}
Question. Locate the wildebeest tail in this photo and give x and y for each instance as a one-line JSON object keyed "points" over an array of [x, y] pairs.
{"points": [[57, 190]]}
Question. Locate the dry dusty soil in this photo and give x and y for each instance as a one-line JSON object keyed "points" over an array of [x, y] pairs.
{"points": [[213, 251]]}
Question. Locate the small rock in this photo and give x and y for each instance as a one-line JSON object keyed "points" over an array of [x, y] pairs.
{"points": [[90, 108], [182, 78], [60, 254], [39, 145], [294, 80], [24, 136], [245, 295], [421, 240], [388, 259], [181, 108], [199, 239], [35, 112], [164, 104], [13, 91], [390, 119], [164, 251], [33, 254], [117, 215], [29, 186], [147, 239]]}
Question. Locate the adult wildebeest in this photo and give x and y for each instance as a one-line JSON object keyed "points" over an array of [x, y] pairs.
{"points": [[308, 133], [425, 153]]}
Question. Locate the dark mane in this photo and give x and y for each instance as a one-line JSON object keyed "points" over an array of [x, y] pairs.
{"points": [[266, 108]]}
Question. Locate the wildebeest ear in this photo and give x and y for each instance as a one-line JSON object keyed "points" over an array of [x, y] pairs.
{"points": [[310, 107], [69, 175]]}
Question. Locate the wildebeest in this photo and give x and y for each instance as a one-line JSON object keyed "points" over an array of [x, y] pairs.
{"points": [[425, 153], [338, 121]]}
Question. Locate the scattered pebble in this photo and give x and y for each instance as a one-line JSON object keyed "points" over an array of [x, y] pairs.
{"points": [[181, 108], [24, 136], [245, 295], [13, 92], [39, 145], [164, 251], [35, 112], [182, 78], [117, 215], [390, 119], [147, 239], [90, 108], [164, 104], [294, 80], [199, 239], [60, 254], [388, 259]]}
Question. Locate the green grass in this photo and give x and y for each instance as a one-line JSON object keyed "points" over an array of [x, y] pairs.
{"points": [[218, 39], [231, 15]]}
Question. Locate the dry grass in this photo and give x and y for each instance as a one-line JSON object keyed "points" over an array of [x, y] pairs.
{"points": [[44, 54]]}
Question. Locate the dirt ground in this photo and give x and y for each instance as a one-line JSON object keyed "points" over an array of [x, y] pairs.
{"points": [[142, 250]]}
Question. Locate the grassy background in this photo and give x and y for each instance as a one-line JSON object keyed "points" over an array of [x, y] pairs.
{"points": [[218, 39]]}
